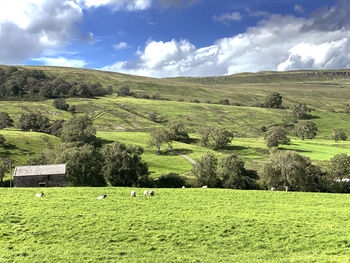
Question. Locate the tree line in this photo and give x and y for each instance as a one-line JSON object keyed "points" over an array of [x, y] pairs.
{"points": [[16, 83]]}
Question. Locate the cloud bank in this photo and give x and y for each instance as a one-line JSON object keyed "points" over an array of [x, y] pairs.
{"points": [[276, 43]]}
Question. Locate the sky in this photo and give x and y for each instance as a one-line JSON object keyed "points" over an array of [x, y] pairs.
{"points": [[169, 38]]}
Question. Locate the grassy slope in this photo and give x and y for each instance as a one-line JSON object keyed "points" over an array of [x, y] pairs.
{"points": [[180, 225], [113, 115]]}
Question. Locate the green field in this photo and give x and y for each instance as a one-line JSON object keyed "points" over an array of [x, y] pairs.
{"points": [[129, 119], [179, 225]]}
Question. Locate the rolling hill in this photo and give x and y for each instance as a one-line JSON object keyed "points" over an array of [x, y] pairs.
{"points": [[195, 101]]}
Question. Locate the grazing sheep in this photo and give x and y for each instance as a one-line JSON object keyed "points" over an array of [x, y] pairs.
{"points": [[133, 194], [183, 186], [273, 188], [152, 192], [102, 196], [205, 186], [39, 195], [145, 193]]}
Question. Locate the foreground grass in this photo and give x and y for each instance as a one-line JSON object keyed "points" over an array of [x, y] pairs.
{"points": [[180, 225]]}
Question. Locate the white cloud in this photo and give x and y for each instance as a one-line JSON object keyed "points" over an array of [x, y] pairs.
{"points": [[29, 27], [131, 5], [299, 9], [121, 45], [227, 18], [61, 61], [275, 43]]}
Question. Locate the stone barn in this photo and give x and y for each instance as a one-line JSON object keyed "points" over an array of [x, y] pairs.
{"points": [[40, 176]]}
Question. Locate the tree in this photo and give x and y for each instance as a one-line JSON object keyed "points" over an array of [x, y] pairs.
{"points": [[124, 91], [339, 135], [289, 170], [123, 165], [4, 168], [275, 136], [305, 129], [60, 103], [274, 100], [84, 164], [171, 180], [215, 138], [233, 173], [5, 120], [56, 128], [159, 137], [205, 171], [220, 138], [79, 130], [177, 131], [35, 121], [301, 111], [340, 166]]}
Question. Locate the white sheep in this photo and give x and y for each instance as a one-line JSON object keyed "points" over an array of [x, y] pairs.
{"points": [[152, 193], [183, 186], [145, 193], [133, 194], [39, 195], [273, 188], [205, 186], [102, 196]]}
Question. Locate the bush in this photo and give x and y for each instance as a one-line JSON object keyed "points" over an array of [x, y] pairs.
{"points": [[171, 180], [274, 100], [35, 121], [61, 104]]}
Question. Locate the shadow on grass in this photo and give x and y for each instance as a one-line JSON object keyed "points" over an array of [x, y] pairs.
{"points": [[10, 146], [181, 151], [295, 150]]}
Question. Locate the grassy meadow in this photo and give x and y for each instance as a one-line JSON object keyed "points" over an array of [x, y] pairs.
{"points": [[176, 225], [130, 120]]}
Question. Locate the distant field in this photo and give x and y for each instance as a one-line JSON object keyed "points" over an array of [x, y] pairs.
{"points": [[179, 225]]}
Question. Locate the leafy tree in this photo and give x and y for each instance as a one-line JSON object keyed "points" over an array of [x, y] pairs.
{"points": [[289, 170], [275, 136], [340, 166], [171, 180], [205, 171], [35, 121], [273, 100], [84, 165], [301, 111], [61, 104], [4, 168], [233, 173], [79, 130], [72, 109], [339, 135], [56, 128], [124, 91], [215, 138], [123, 165], [5, 120], [305, 129], [159, 137], [177, 131], [220, 138]]}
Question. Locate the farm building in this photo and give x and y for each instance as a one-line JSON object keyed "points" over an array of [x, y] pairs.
{"points": [[40, 176]]}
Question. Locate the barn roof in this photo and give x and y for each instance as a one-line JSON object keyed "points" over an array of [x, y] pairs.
{"points": [[40, 170]]}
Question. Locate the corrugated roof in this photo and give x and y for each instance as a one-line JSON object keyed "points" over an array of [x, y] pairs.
{"points": [[40, 170]]}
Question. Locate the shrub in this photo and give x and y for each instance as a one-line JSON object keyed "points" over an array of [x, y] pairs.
{"points": [[171, 180]]}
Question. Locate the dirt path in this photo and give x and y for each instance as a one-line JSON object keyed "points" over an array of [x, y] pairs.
{"points": [[185, 156]]}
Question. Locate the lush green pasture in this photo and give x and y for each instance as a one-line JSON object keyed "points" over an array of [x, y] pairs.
{"points": [[179, 225], [19, 145], [158, 164]]}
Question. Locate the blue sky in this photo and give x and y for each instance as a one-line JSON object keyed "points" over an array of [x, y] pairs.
{"points": [[166, 38]]}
